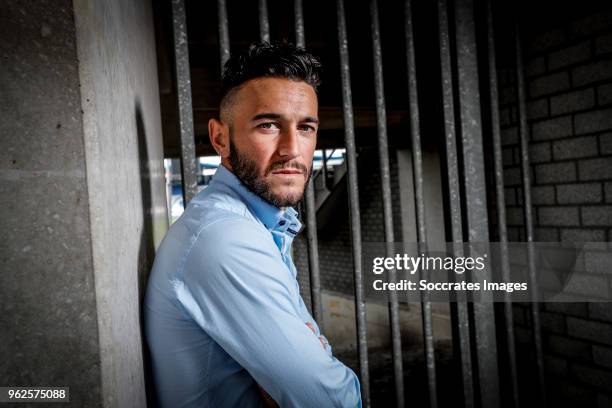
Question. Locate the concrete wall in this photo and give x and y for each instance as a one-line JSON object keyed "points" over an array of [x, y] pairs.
{"points": [[48, 319], [125, 175], [82, 195]]}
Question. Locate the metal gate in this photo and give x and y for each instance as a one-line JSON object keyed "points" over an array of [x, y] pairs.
{"points": [[460, 79]]}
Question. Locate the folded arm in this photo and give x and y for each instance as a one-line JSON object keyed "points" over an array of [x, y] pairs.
{"points": [[238, 289]]}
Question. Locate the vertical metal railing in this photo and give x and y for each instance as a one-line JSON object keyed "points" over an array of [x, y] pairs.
{"points": [[309, 202], [417, 164], [501, 207], [224, 41], [463, 322], [264, 25], [385, 182], [184, 102], [475, 186], [475, 193], [353, 191], [527, 209]]}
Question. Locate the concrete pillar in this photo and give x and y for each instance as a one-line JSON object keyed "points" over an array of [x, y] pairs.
{"points": [[82, 195]]}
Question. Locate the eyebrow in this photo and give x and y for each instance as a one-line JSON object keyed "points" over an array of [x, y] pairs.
{"points": [[271, 115]]}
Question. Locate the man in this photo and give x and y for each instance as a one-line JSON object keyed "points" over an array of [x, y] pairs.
{"points": [[225, 321]]}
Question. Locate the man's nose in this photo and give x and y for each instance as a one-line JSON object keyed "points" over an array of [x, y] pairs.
{"points": [[288, 145]]}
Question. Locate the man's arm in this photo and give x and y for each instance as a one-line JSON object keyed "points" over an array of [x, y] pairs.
{"points": [[239, 291]]}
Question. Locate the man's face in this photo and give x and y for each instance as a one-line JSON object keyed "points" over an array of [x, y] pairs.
{"points": [[273, 134]]}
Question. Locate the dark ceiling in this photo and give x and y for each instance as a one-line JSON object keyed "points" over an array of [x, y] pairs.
{"points": [[321, 38]]}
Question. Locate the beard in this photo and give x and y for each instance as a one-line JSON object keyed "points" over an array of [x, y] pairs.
{"points": [[245, 169]]}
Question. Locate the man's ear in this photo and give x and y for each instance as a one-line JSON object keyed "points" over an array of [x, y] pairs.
{"points": [[218, 133]]}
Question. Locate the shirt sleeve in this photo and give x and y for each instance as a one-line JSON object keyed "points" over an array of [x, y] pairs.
{"points": [[237, 288]]}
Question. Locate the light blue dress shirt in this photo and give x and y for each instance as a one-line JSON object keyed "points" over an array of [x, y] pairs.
{"points": [[223, 310]]}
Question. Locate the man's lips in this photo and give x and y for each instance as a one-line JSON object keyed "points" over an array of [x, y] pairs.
{"points": [[288, 171]]}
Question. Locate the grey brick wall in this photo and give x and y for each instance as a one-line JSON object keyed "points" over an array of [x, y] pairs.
{"points": [[569, 80]]}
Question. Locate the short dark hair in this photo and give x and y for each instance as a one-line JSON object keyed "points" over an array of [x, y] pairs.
{"points": [[263, 59]]}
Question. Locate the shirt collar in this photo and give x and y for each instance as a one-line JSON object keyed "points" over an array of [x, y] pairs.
{"points": [[274, 218]]}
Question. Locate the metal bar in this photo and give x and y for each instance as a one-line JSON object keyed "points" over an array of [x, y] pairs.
{"points": [[184, 103], [463, 322], [324, 169], [264, 26], [353, 191], [385, 182], [501, 207], [417, 163], [311, 215], [224, 42], [527, 209], [300, 40], [475, 193]]}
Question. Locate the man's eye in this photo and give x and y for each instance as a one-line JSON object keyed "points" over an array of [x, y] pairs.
{"points": [[306, 128], [267, 125]]}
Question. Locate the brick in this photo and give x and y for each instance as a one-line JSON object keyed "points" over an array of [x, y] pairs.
{"points": [[518, 315], [595, 169], [576, 349], [504, 117], [597, 215], [514, 216], [574, 148], [522, 335], [598, 332], [579, 309], [605, 143], [572, 101], [603, 44], [552, 322], [539, 152], [602, 356], [509, 136], [543, 195], [507, 156], [502, 76], [569, 55], [604, 400], [592, 376], [512, 176], [594, 121], [601, 311], [604, 94], [587, 286], [608, 190], [537, 109], [591, 24], [535, 66], [571, 394], [582, 235], [552, 128], [579, 193], [555, 173], [507, 95], [598, 262], [514, 234], [550, 84], [546, 40], [546, 234], [593, 72], [558, 216], [556, 366], [510, 196]]}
